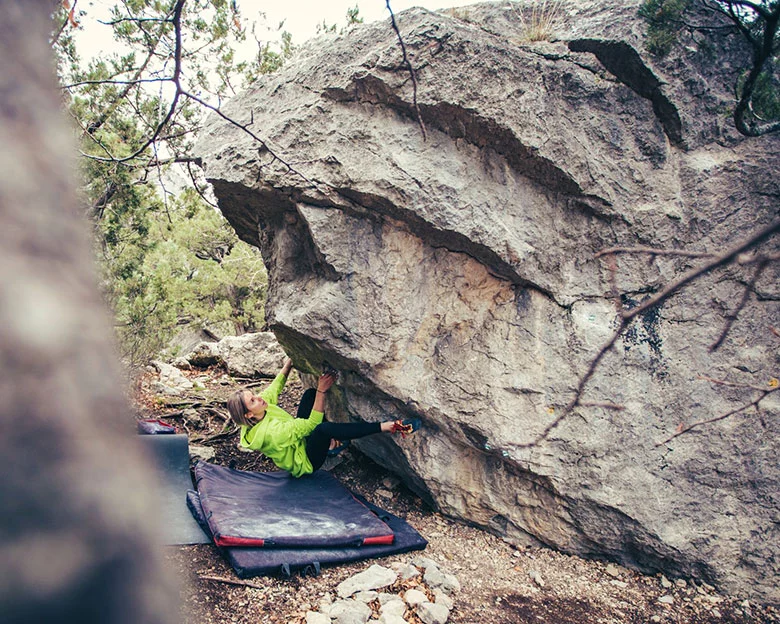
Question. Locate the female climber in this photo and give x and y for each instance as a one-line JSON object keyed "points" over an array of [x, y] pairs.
{"points": [[299, 445]]}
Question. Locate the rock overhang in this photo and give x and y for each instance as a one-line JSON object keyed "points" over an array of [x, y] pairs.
{"points": [[454, 277]]}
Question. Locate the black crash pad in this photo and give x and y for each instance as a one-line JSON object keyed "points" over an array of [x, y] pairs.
{"points": [[276, 510], [249, 562], [172, 461]]}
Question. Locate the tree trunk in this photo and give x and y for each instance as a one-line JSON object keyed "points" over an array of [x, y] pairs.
{"points": [[74, 546]]}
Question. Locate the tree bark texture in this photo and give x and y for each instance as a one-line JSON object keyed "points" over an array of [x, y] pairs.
{"points": [[73, 542]]}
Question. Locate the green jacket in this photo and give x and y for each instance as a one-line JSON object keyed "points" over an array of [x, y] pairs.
{"points": [[279, 436]]}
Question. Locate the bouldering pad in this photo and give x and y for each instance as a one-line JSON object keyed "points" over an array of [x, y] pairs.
{"points": [[172, 461], [276, 510], [249, 562]]}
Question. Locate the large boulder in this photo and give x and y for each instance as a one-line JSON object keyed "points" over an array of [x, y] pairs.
{"points": [[453, 275], [249, 355]]}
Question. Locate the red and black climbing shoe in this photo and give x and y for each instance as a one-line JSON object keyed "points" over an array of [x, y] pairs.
{"points": [[407, 426]]}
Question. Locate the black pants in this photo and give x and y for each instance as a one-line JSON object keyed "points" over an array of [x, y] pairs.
{"points": [[318, 441]]}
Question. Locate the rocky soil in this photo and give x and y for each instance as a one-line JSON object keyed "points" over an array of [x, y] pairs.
{"points": [[499, 584]]}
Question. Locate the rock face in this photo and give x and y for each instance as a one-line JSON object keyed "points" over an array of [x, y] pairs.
{"points": [[453, 276]]}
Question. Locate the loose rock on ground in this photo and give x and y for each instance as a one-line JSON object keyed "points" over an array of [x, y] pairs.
{"points": [[400, 599]]}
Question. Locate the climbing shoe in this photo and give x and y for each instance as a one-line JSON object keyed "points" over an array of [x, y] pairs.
{"points": [[407, 426], [337, 449]]}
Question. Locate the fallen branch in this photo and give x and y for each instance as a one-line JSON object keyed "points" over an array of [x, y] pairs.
{"points": [[171, 415], [251, 382], [255, 384], [194, 404], [216, 412], [222, 579], [216, 436]]}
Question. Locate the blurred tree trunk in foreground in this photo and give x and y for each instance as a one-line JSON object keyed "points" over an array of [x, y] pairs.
{"points": [[73, 542]]}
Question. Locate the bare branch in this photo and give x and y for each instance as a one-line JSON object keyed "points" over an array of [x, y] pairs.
{"points": [[98, 123], [627, 316], [412, 73], [243, 127], [686, 428], [603, 404], [92, 137], [176, 19], [654, 252], [745, 296], [96, 210], [222, 579], [129, 83], [216, 436], [161, 182], [726, 258], [178, 135], [197, 188], [732, 384], [175, 159], [65, 22], [135, 20], [178, 55], [575, 401]]}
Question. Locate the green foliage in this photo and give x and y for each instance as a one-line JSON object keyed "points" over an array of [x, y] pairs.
{"points": [[766, 92], [353, 17], [161, 261], [177, 263], [664, 18], [757, 110], [269, 59]]}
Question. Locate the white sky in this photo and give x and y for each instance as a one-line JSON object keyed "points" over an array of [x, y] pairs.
{"points": [[301, 17]]}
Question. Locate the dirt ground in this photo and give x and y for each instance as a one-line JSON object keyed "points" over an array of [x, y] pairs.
{"points": [[500, 584]]}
